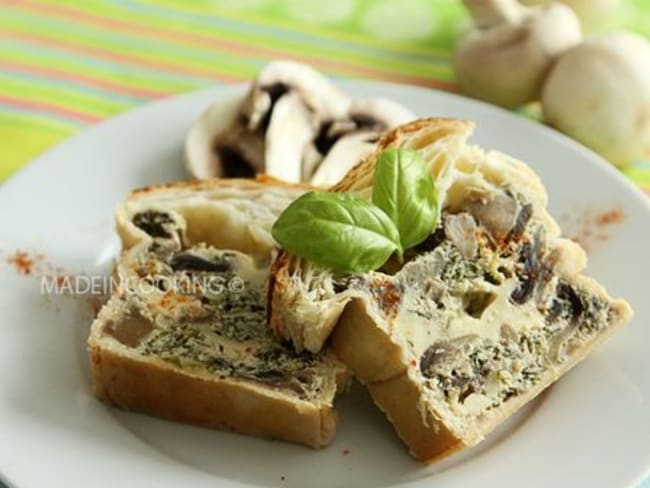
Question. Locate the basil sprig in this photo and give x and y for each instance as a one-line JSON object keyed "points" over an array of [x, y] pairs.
{"points": [[403, 188], [347, 234], [337, 231]]}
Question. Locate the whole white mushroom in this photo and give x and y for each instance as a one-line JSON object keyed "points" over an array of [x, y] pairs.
{"points": [[505, 59], [593, 14], [599, 93]]}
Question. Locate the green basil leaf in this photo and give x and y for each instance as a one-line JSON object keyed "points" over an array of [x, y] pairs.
{"points": [[337, 231], [403, 187]]}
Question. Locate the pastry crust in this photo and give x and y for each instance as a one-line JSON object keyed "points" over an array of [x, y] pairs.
{"points": [[379, 363], [228, 213], [132, 382]]}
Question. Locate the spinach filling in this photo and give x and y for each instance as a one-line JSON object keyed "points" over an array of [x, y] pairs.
{"points": [[516, 362], [232, 339]]}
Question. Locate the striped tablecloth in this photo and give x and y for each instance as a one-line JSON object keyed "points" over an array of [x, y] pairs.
{"points": [[65, 65]]}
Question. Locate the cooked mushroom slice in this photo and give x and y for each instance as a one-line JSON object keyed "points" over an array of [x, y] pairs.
{"points": [[214, 145], [343, 155], [231, 139], [317, 91], [188, 261], [379, 114], [497, 214], [461, 230], [343, 143], [290, 130]]}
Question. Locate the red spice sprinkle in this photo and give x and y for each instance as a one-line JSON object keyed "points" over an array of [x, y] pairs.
{"points": [[414, 363], [23, 262], [613, 216], [36, 265], [165, 301], [588, 227], [345, 451]]}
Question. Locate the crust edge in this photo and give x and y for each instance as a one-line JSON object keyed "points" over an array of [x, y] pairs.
{"points": [[138, 385]]}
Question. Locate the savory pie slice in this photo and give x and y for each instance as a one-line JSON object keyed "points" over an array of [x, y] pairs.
{"points": [[185, 335], [482, 316]]}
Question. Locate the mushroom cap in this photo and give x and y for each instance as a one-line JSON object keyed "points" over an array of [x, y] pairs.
{"points": [[592, 13], [202, 161], [599, 93], [318, 92], [506, 64]]}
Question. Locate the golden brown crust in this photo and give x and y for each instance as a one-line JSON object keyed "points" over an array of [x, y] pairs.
{"points": [[134, 383], [379, 363], [201, 185], [277, 278], [427, 437], [428, 131], [278, 287], [365, 348]]}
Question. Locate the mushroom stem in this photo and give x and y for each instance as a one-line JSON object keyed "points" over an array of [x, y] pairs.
{"points": [[488, 13]]}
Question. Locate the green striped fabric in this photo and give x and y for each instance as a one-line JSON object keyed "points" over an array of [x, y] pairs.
{"points": [[67, 64]]}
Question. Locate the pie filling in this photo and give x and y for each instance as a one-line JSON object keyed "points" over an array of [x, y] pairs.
{"points": [[208, 310], [480, 307]]}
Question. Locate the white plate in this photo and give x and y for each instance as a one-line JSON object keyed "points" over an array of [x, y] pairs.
{"points": [[591, 429]]}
